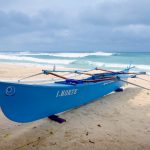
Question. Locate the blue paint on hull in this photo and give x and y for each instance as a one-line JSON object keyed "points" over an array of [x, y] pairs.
{"points": [[33, 102]]}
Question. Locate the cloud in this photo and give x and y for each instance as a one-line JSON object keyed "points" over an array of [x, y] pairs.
{"points": [[75, 25], [118, 13], [139, 30]]}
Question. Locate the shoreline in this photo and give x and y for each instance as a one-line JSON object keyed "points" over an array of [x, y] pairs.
{"points": [[116, 121]]}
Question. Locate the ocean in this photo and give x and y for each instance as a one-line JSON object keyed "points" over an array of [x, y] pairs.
{"points": [[86, 60]]}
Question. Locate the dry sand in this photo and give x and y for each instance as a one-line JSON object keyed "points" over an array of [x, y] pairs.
{"points": [[119, 121]]}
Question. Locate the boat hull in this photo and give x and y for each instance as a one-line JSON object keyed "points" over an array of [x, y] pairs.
{"points": [[26, 103]]}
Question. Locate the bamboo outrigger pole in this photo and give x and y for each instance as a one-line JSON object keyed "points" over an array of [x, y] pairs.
{"points": [[133, 84], [30, 76], [142, 79], [104, 70], [121, 72], [85, 73]]}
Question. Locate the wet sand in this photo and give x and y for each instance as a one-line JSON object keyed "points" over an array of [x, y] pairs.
{"points": [[118, 121]]}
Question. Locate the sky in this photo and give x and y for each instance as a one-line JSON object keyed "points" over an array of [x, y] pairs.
{"points": [[75, 25]]}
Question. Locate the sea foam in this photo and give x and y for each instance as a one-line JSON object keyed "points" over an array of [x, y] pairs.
{"points": [[36, 60], [70, 55]]}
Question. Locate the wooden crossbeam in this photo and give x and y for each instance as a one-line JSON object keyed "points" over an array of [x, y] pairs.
{"points": [[57, 75]]}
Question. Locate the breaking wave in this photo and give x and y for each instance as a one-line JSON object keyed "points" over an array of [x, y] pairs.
{"points": [[70, 55], [36, 60]]}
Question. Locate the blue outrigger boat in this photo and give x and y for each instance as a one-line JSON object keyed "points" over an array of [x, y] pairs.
{"points": [[29, 102]]}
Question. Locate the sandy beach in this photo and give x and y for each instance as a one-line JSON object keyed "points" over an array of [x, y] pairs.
{"points": [[118, 121]]}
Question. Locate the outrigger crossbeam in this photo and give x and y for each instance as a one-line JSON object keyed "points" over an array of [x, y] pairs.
{"points": [[96, 77]]}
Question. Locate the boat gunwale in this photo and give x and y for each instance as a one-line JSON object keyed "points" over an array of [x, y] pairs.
{"points": [[53, 85]]}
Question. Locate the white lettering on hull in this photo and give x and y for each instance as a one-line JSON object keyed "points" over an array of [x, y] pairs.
{"points": [[66, 92], [108, 82]]}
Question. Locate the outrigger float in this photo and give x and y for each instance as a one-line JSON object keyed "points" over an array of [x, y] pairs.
{"points": [[22, 102]]}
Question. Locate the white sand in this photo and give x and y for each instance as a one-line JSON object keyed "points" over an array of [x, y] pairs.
{"points": [[119, 121]]}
